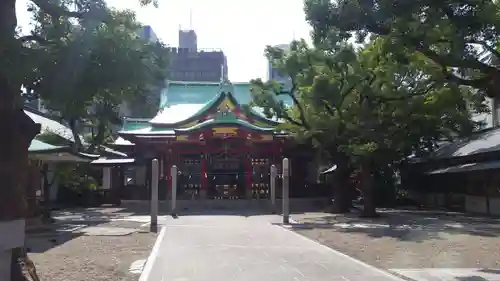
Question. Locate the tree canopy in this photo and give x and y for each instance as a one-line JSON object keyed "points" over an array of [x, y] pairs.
{"points": [[455, 35], [85, 70], [362, 107]]}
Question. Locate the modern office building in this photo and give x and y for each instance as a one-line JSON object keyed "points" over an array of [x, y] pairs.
{"points": [[188, 40], [141, 107], [188, 63], [147, 33]]}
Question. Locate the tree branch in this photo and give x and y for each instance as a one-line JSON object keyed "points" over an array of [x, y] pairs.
{"points": [[412, 95], [77, 145], [302, 115], [98, 138], [328, 108], [442, 60], [57, 11], [475, 83], [290, 120]]}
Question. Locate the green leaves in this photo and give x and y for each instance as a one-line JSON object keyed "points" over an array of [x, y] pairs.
{"points": [[86, 69], [364, 103], [451, 34]]}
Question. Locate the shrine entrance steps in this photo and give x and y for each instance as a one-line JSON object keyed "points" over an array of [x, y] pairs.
{"points": [[263, 206]]}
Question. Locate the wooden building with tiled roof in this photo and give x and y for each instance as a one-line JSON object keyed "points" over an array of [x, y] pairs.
{"points": [[222, 147]]}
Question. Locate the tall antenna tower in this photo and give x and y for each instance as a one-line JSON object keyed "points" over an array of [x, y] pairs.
{"points": [[191, 19]]}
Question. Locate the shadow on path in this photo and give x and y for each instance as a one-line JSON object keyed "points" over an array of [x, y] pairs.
{"points": [[404, 226]]}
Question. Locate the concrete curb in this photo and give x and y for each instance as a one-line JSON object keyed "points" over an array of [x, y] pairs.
{"points": [[148, 267], [402, 276]]}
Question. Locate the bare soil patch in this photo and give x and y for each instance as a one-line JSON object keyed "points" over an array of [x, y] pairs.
{"points": [[66, 251], [406, 240], [94, 258]]}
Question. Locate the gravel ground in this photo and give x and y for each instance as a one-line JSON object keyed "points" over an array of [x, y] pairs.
{"points": [[406, 241], [90, 258]]}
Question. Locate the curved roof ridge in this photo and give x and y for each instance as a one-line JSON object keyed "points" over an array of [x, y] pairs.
{"points": [[193, 82], [136, 119], [213, 121], [202, 109]]}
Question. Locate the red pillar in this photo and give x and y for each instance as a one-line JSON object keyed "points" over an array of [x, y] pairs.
{"points": [[203, 184], [248, 175], [203, 171]]}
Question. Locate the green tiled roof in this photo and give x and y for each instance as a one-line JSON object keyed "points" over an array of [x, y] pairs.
{"points": [[203, 92], [131, 124], [188, 93], [223, 122], [49, 125], [225, 118], [149, 131], [47, 152], [176, 113], [184, 102], [122, 142], [37, 146]]}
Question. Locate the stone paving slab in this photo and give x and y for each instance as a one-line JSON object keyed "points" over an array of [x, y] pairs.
{"points": [[106, 231], [206, 248], [449, 274]]}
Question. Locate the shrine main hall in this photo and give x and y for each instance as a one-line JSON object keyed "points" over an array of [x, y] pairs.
{"points": [[223, 148]]}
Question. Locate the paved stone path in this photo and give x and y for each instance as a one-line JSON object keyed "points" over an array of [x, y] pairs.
{"points": [[201, 248]]}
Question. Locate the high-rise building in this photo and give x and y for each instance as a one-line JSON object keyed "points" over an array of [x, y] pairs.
{"points": [[273, 73], [147, 33], [188, 40], [187, 63], [142, 107]]}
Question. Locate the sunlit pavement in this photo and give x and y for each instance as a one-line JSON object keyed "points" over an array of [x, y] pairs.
{"points": [[223, 247]]}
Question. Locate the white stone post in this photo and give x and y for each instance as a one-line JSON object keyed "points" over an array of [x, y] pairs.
{"points": [[154, 194], [273, 186], [173, 174], [286, 189], [11, 236]]}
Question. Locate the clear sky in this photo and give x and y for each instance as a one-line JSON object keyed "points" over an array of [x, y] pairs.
{"points": [[240, 28]]}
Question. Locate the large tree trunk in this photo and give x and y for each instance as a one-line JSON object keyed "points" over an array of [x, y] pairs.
{"points": [[367, 187], [47, 186], [341, 185], [13, 168], [17, 131], [32, 186]]}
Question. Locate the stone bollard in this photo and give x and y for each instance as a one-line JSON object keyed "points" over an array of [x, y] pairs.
{"points": [[173, 174], [286, 190], [154, 195], [273, 187]]}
